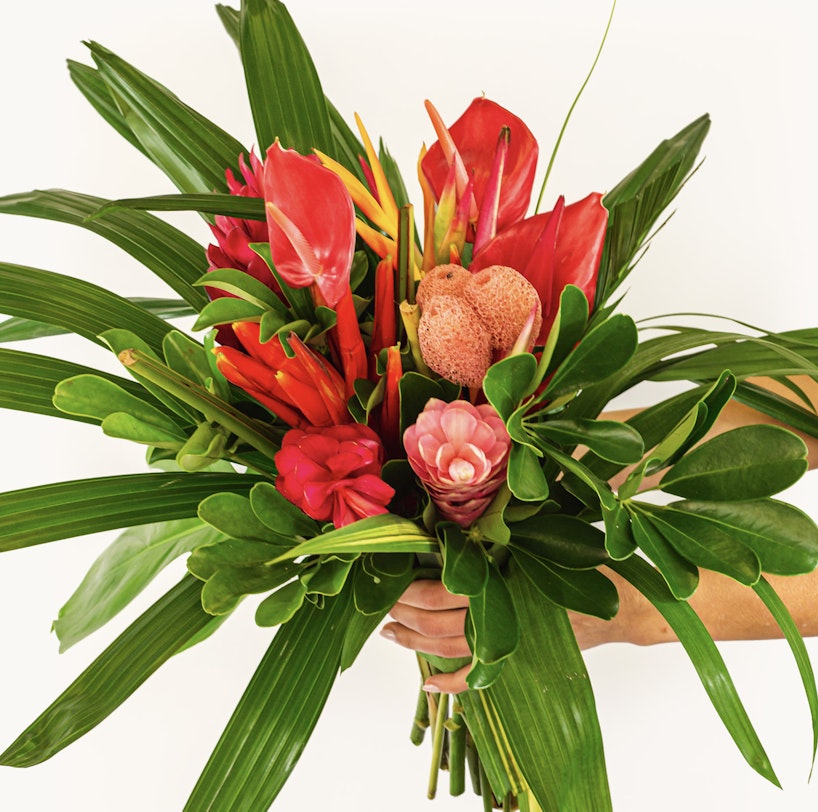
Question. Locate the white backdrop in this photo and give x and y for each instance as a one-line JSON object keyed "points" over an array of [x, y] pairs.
{"points": [[741, 244]]}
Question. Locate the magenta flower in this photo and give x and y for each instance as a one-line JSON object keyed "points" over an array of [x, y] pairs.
{"points": [[334, 473], [460, 453]]}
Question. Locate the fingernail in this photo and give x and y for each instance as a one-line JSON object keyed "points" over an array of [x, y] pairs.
{"points": [[389, 634], [430, 687]]}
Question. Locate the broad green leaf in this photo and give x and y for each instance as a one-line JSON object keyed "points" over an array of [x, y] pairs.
{"points": [[122, 571], [97, 397], [205, 561], [50, 512], [328, 577], [785, 622], [376, 594], [705, 544], [567, 541], [556, 743], [750, 462], [617, 442], [603, 352], [280, 607], [246, 287], [784, 538], [279, 514], [619, 540], [233, 515], [507, 382], [526, 479], [386, 533], [680, 575], [27, 382], [277, 713], [228, 585], [226, 310], [127, 427], [78, 306], [282, 84], [192, 151], [465, 568], [177, 259], [571, 322], [150, 641], [705, 658], [635, 203], [415, 392], [586, 591], [494, 620]]}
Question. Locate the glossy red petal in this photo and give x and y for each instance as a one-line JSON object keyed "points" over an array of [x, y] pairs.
{"points": [[317, 245], [475, 134]]}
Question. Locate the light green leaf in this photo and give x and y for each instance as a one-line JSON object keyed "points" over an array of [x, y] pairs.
{"points": [[226, 310], [233, 515], [279, 514], [328, 577], [280, 607], [507, 382], [246, 287], [750, 462], [122, 571], [228, 585], [145, 645], [705, 658]]}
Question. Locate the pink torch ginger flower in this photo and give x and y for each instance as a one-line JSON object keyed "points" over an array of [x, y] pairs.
{"points": [[460, 453], [334, 473]]}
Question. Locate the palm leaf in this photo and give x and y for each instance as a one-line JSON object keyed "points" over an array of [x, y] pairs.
{"points": [[151, 640], [66, 509], [277, 713], [174, 257]]}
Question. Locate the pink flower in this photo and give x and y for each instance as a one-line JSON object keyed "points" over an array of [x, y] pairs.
{"points": [[333, 473], [460, 453]]}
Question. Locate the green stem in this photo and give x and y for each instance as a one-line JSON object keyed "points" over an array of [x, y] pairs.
{"points": [[421, 720], [214, 409], [437, 743], [571, 108], [457, 750]]}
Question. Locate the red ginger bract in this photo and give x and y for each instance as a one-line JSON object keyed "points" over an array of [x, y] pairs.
{"points": [[460, 454], [334, 473]]}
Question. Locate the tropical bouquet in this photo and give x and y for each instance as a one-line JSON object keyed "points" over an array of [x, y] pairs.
{"points": [[383, 394]]}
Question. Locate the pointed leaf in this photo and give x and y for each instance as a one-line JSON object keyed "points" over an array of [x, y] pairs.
{"points": [[608, 439], [465, 568], [565, 540]]}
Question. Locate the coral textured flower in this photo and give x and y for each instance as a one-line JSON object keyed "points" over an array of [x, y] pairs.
{"points": [[459, 452], [334, 473]]}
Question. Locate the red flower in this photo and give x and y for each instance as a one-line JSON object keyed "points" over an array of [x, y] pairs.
{"points": [[302, 390], [334, 473], [311, 224], [562, 247], [472, 144]]}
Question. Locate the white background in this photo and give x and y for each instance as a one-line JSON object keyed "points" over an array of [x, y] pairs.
{"points": [[741, 244]]}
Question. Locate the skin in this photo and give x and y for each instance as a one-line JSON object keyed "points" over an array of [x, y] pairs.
{"points": [[428, 619]]}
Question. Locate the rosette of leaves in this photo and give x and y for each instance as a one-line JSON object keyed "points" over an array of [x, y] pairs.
{"points": [[537, 552]]}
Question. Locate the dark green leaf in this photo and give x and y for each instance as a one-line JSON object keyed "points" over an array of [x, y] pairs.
{"points": [[280, 607], [750, 462], [228, 585], [705, 544], [329, 577], [233, 515], [586, 591], [274, 719], [240, 206], [376, 594], [565, 540], [507, 381], [77, 306], [50, 512], [282, 84], [572, 320], [784, 539], [192, 151], [608, 439], [465, 568], [149, 642], [494, 620], [178, 260], [619, 540], [705, 658], [279, 514], [526, 479]]}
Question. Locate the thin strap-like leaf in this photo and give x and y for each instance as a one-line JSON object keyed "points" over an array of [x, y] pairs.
{"points": [[175, 258], [787, 625], [191, 150], [75, 305], [27, 383], [95, 90], [248, 208], [155, 637], [275, 717], [66, 509], [282, 83], [705, 657]]}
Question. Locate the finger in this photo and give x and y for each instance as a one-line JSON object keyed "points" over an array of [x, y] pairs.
{"points": [[454, 683], [426, 594], [438, 646], [446, 623]]}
